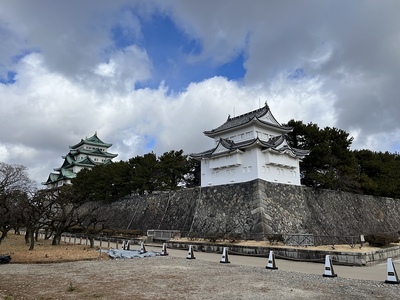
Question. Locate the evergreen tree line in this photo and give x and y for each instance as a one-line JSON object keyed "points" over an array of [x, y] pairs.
{"points": [[331, 163], [139, 175]]}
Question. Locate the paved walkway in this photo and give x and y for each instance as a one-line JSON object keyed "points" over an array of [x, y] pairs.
{"points": [[376, 272]]}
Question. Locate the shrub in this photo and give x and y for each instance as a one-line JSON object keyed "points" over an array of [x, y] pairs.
{"points": [[108, 231], [213, 236], [380, 239], [71, 287], [76, 229], [193, 236], [275, 238], [234, 237]]}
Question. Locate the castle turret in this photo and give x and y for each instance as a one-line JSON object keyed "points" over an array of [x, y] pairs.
{"points": [[250, 146]]}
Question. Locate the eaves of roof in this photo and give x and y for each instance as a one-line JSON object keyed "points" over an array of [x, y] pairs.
{"points": [[274, 144], [52, 178], [96, 152], [87, 161]]}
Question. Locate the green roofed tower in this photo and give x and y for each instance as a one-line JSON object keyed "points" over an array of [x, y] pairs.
{"points": [[88, 153]]}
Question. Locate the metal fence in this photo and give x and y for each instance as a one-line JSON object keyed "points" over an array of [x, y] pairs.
{"points": [[290, 239], [162, 235]]}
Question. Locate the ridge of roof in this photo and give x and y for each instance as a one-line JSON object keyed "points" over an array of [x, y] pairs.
{"points": [[93, 140], [262, 115]]}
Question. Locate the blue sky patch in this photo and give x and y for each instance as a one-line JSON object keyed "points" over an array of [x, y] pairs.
{"points": [[150, 142], [234, 69], [121, 37], [297, 74], [169, 49], [9, 79]]}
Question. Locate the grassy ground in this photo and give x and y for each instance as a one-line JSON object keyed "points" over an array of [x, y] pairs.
{"points": [[44, 252]]}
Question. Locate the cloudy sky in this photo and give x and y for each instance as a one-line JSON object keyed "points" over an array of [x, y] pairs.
{"points": [[153, 75]]}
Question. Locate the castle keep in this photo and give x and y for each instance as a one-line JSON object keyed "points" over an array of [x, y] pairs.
{"points": [[85, 154]]}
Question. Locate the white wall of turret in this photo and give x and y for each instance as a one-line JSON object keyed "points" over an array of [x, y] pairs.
{"points": [[250, 165], [248, 134], [91, 148]]}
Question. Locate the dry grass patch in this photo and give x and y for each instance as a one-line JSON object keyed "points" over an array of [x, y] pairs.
{"points": [[44, 252]]}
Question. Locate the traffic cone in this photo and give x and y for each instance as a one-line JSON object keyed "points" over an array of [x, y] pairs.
{"points": [[271, 261], [142, 248], [391, 273], [190, 253], [329, 272], [224, 257], [164, 250]]}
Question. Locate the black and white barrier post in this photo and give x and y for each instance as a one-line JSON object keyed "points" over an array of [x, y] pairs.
{"points": [[190, 253], [224, 257], [391, 273], [271, 261], [142, 248], [329, 272], [125, 245], [164, 250]]}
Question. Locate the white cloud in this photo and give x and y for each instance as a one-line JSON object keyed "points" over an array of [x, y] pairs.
{"points": [[72, 78], [124, 68], [4, 155]]}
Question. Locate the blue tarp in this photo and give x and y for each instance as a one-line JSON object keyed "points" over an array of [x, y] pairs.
{"points": [[126, 254]]}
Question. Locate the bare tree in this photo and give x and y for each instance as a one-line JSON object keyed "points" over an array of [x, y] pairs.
{"points": [[61, 211], [14, 182], [31, 213], [93, 219]]}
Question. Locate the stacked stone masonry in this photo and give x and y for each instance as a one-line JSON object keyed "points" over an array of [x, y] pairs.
{"points": [[257, 208]]}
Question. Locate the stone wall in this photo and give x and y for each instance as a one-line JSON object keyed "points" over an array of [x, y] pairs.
{"points": [[257, 207]]}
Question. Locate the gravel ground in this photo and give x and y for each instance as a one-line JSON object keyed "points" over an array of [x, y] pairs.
{"points": [[176, 278]]}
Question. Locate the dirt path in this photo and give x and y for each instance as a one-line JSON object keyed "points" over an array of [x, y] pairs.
{"points": [[176, 278]]}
